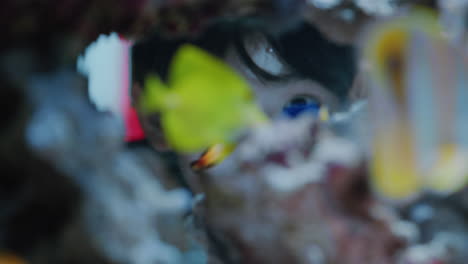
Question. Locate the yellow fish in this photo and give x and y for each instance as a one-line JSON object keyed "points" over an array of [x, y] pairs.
{"points": [[418, 93], [204, 103]]}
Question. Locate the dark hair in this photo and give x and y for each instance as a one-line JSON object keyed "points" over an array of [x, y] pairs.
{"points": [[155, 53], [310, 55], [306, 51]]}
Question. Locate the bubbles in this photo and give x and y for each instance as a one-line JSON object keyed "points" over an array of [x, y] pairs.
{"points": [[325, 4], [103, 63], [371, 7], [377, 7]]}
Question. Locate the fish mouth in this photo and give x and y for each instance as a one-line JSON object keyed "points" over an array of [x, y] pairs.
{"points": [[201, 163], [211, 157]]}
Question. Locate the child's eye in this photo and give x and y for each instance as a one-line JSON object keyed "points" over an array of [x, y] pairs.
{"points": [[263, 55], [260, 56], [300, 105]]}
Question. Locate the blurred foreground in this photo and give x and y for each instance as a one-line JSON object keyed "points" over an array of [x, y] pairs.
{"points": [[72, 191]]}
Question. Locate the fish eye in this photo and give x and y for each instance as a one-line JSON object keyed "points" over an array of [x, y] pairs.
{"points": [[301, 104]]}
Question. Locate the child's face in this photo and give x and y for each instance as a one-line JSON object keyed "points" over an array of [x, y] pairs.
{"points": [[278, 97]]}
